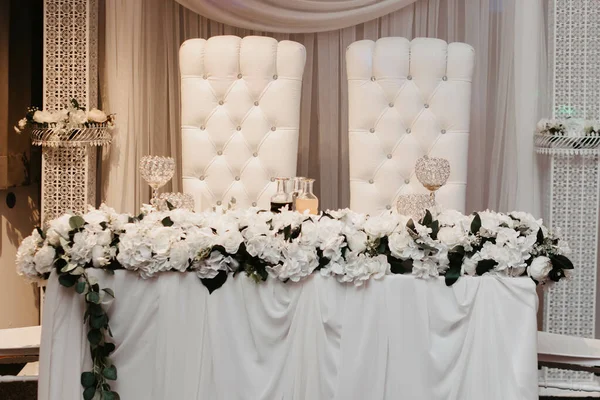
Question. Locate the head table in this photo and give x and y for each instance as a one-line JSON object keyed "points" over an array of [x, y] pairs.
{"points": [[395, 338], [252, 305]]}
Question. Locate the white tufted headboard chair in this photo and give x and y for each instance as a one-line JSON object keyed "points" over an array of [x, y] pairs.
{"points": [[240, 115], [407, 99]]}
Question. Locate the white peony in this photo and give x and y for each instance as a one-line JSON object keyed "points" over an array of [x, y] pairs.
{"points": [[95, 115], [59, 228], [78, 117], [44, 259], [26, 253], [540, 268], [42, 117]]}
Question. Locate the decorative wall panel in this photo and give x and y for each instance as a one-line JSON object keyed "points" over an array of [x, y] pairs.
{"points": [[573, 180], [70, 71]]}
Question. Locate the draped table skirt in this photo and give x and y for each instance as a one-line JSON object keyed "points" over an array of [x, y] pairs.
{"points": [[395, 338]]}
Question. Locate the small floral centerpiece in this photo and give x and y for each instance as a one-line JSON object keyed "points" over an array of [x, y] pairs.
{"points": [[569, 133], [70, 126]]}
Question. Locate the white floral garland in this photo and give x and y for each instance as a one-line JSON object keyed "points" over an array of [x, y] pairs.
{"points": [[291, 246]]}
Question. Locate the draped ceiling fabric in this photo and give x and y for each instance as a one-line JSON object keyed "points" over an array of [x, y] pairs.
{"points": [[140, 84], [298, 16]]}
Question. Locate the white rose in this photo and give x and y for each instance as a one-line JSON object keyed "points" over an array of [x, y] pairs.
{"points": [[22, 123], [357, 241], [78, 117], [103, 238], [96, 115], [540, 268], [542, 125], [59, 227], [99, 258], [95, 217], [162, 238], [231, 241], [380, 226], [44, 259], [450, 236], [179, 256], [42, 117]]}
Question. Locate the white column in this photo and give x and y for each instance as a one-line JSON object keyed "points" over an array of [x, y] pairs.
{"points": [[573, 180], [70, 71]]}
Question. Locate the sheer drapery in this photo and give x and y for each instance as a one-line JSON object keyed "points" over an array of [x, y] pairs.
{"points": [[141, 84], [299, 16]]}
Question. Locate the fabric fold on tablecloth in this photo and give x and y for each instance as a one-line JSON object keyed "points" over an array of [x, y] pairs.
{"points": [[395, 338]]}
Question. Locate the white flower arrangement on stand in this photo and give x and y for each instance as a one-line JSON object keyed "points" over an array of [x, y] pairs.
{"points": [[70, 126], [568, 134]]}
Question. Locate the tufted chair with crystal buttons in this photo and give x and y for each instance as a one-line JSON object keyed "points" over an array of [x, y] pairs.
{"points": [[240, 116], [407, 99]]}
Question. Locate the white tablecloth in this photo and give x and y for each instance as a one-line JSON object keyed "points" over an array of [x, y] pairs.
{"points": [[397, 338]]}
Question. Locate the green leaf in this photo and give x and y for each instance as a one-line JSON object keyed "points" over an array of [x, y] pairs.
{"points": [[76, 222], [78, 271], [216, 282], [435, 228], [109, 395], [80, 287], [94, 337], [427, 219], [75, 104], [540, 236], [559, 261], [167, 221], [108, 348], [170, 206], [93, 297], [67, 280], [484, 266], [452, 274], [109, 292], [88, 379], [455, 256], [476, 224], [98, 321], [41, 232], [88, 393], [68, 268], [110, 373]]}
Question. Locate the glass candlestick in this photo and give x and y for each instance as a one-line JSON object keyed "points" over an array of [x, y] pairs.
{"points": [[282, 198], [306, 199]]}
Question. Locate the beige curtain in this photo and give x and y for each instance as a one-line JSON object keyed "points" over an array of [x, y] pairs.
{"points": [[298, 16], [141, 84]]}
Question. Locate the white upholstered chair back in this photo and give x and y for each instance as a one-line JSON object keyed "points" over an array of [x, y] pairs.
{"points": [[407, 99], [240, 113]]}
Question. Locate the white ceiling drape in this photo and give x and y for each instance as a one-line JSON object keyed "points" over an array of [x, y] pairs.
{"points": [[296, 16]]}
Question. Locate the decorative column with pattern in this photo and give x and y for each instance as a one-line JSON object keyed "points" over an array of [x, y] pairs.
{"points": [[572, 174], [70, 72]]}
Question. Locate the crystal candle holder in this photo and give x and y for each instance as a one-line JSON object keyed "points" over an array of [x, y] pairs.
{"points": [[433, 173], [414, 205], [156, 171]]}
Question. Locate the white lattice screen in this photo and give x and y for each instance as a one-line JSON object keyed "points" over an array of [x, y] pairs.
{"points": [[70, 71], [573, 180]]}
